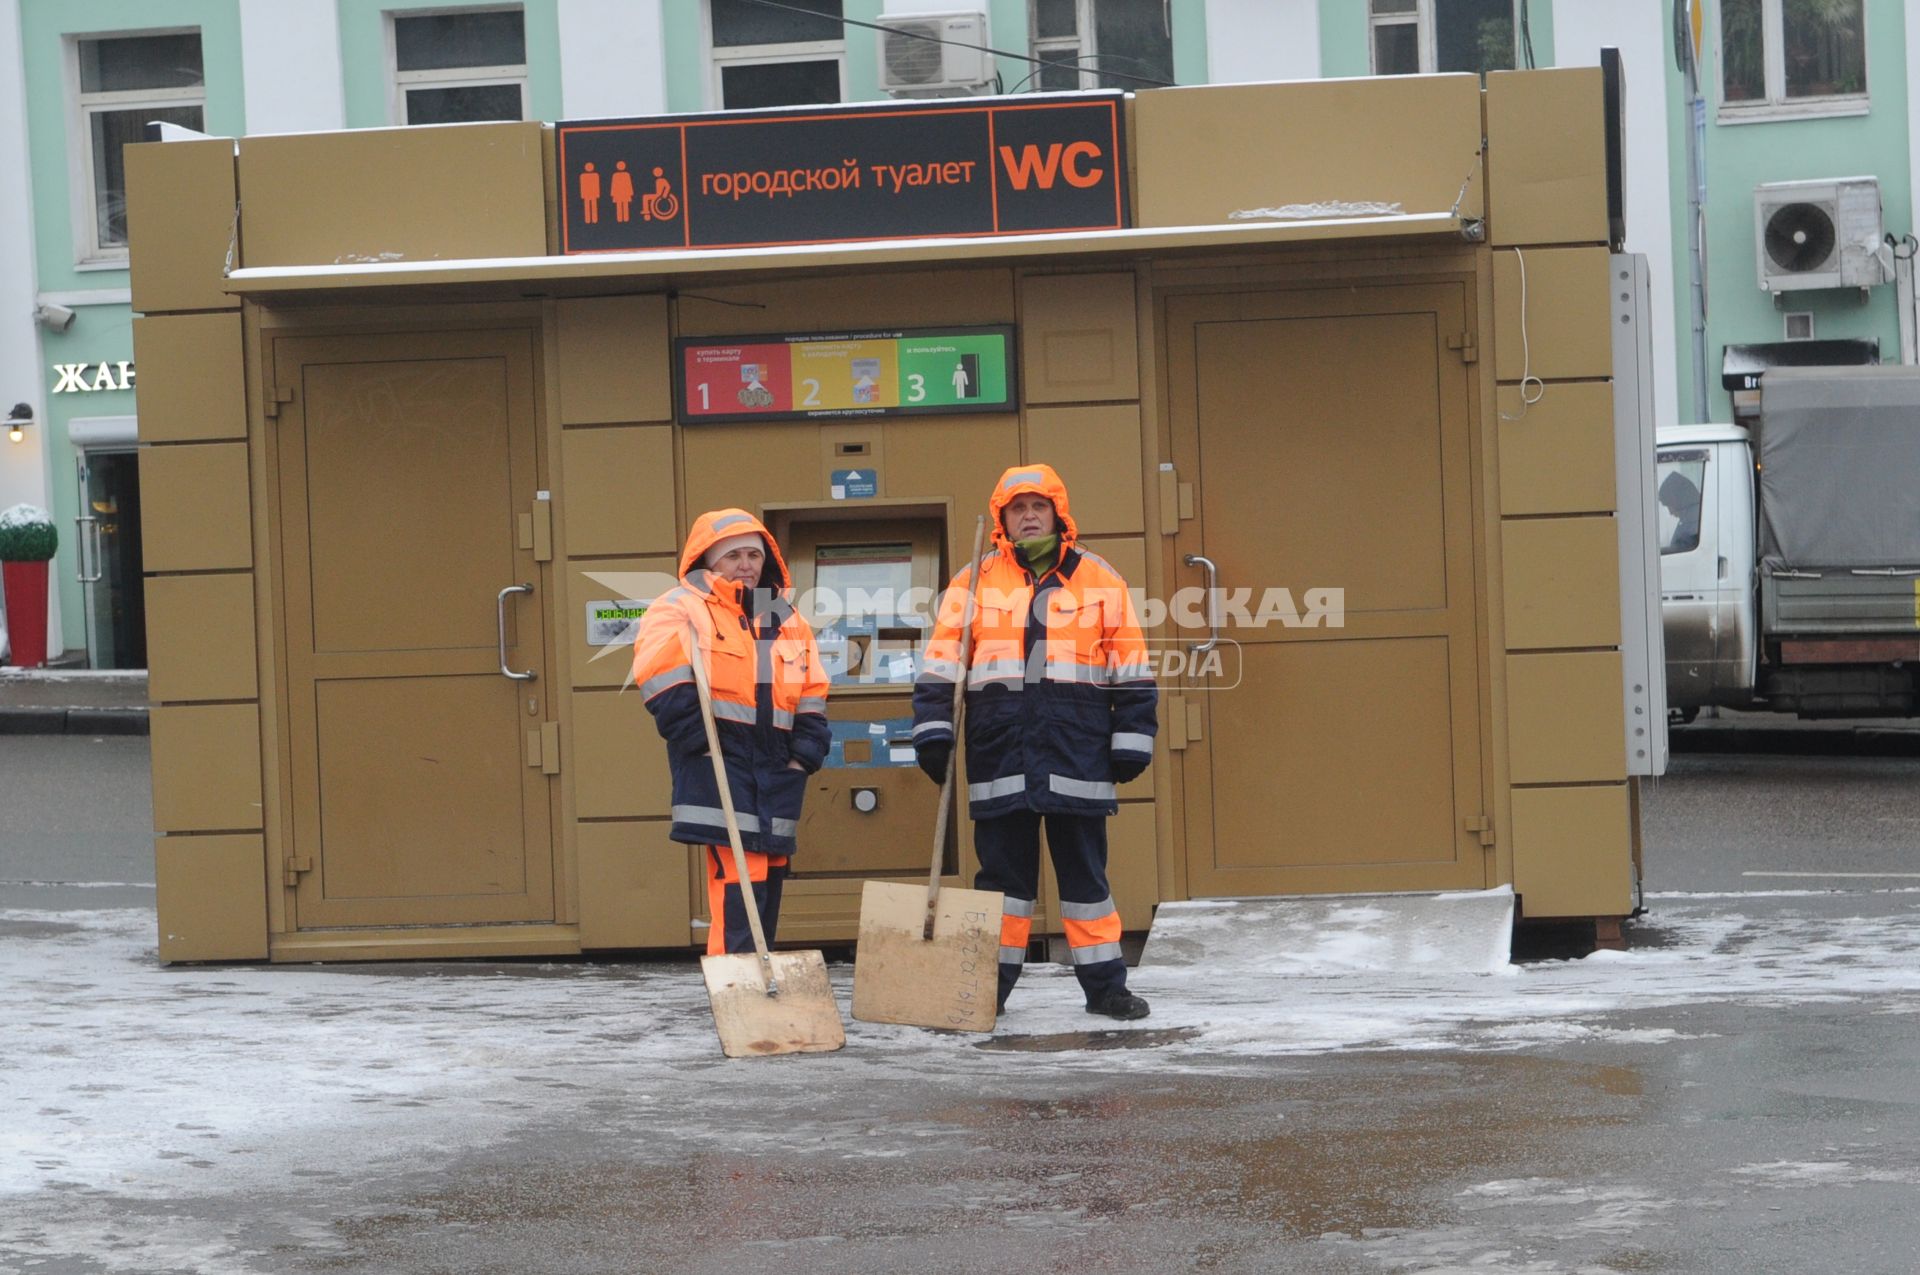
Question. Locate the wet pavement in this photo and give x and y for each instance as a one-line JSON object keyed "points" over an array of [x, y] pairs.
{"points": [[1737, 1092]]}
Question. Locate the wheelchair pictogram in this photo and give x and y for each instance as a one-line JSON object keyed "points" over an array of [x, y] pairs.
{"points": [[662, 204]]}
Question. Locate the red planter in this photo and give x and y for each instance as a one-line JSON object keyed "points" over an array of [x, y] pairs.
{"points": [[26, 585]]}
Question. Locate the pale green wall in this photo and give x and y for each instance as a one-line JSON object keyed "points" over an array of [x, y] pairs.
{"points": [[100, 333], [1740, 156], [363, 57]]}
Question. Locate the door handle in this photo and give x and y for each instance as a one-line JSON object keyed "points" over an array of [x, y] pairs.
{"points": [[500, 614], [81, 526], [1213, 601]]}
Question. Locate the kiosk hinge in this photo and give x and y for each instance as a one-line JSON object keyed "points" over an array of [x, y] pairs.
{"points": [[1469, 352], [1176, 722], [295, 865], [550, 748], [1480, 824], [279, 395]]}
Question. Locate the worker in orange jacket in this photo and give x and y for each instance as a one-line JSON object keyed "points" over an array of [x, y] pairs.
{"points": [[769, 705], [1061, 707]]}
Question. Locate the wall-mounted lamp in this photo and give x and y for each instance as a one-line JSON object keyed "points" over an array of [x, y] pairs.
{"points": [[19, 416]]}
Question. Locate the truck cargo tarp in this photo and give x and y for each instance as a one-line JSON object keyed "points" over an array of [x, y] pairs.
{"points": [[1840, 467]]}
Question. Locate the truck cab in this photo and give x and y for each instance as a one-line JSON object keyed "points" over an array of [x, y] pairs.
{"points": [[1705, 488]]}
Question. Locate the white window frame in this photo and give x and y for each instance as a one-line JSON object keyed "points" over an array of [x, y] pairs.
{"points": [[1085, 39], [1773, 52], [88, 252], [1423, 17], [720, 58], [453, 77]]}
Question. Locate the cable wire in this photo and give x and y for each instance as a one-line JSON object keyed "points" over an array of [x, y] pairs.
{"points": [[958, 44]]}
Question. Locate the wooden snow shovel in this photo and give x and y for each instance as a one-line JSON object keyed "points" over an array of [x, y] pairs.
{"points": [[770, 1002], [931, 958]]}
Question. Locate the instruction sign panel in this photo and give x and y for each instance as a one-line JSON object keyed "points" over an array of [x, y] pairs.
{"points": [[614, 621], [840, 174], [899, 373]]}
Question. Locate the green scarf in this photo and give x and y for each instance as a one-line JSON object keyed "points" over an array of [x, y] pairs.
{"points": [[1042, 553]]}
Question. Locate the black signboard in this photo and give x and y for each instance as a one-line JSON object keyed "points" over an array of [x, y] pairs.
{"points": [[751, 179]]}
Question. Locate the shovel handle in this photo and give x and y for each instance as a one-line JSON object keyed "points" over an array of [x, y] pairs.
{"points": [[752, 908], [959, 710]]}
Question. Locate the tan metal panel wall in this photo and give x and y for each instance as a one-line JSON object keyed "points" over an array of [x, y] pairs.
{"points": [[211, 896], [632, 886], [206, 768], [1565, 721], [609, 580], [192, 385], [1077, 338], [181, 224], [1546, 156], [1565, 318], [1556, 455], [1204, 153], [614, 360], [729, 465], [195, 512], [1096, 451], [393, 194], [200, 638], [617, 490], [1567, 850], [1562, 578], [855, 301], [619, 761]]}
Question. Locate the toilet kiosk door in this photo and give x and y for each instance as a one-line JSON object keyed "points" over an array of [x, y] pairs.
{"points": [[405, 462], [1328, 436]]}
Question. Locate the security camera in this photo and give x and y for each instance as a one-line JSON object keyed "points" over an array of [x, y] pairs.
{"points": [[54, 318]]}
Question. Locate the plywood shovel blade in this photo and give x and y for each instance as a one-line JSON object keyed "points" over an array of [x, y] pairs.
{"points": [[948, 981], [801, 1019]]}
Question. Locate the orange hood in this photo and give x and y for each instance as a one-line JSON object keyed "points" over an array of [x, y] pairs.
{"points": [[1025, 478], [710, 528]]}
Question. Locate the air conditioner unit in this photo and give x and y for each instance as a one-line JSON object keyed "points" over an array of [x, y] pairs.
{"points": [[1820, 234], [927, 54]]}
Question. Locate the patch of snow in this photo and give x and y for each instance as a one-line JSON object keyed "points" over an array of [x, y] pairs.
{"points": [[1324, 210], [24, 515]]}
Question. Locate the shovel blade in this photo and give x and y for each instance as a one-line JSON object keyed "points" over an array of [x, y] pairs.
{"points": [[948, 981], [801, 1019]]}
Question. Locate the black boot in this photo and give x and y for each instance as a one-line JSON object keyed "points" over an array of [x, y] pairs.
{"points": [[1118, 1003]]}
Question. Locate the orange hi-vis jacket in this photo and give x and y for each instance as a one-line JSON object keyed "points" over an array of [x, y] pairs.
{"points": [[769, 692], [1058, 686]]}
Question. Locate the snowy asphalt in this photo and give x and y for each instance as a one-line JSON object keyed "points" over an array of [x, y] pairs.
{"points": [[1736, 1092]]}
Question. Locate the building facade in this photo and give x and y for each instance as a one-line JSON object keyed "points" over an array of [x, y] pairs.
{"points": [[1792, 92]]}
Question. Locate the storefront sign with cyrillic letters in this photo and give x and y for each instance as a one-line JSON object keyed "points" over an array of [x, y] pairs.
{"points": [[750, 179]]}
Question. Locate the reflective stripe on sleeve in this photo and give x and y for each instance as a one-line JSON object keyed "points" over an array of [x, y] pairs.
{"points": [[1130, 742], [928, 728], [661, 681], [937, 670], [812, 704], [1095, 954], [1002, 788], [1090, 789]]}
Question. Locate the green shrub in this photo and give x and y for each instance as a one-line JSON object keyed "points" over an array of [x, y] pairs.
{"points": [[27, 535]]}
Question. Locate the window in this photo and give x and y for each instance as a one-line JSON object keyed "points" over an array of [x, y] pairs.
{"points": [[460, 67], [124, 82], [1082, 41], [765, 56], [1682, 475], [1806, 55], [1413, 37]]}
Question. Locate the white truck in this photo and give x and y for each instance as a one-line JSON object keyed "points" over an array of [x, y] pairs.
{"points": [[1790, 554]]}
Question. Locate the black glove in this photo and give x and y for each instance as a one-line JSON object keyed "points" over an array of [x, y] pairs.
{"points": [[933, 757], [1125, 772]]}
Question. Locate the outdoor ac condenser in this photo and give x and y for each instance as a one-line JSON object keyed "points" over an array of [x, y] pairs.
{"points": [[1820, 234], [928, 54]]}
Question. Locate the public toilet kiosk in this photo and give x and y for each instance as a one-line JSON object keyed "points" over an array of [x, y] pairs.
{"points": [[425, 414]]}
